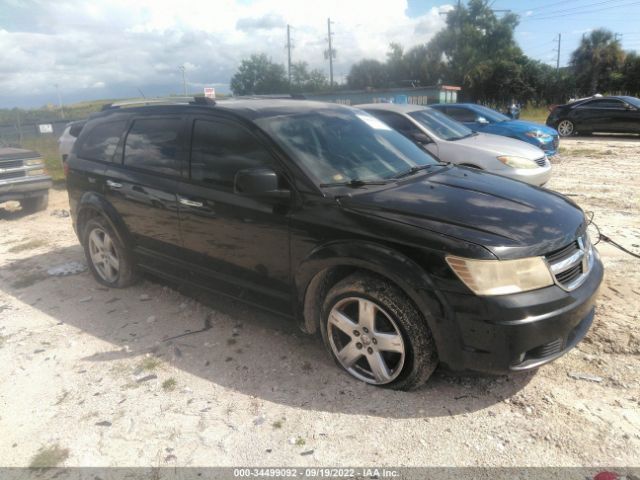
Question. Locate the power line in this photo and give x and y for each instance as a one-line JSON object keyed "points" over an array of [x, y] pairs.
{"points": [[582, 12], [573, 9], [554, 4]]}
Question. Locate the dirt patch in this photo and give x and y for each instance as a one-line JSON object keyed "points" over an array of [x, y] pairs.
{"points": [[147, 376]]}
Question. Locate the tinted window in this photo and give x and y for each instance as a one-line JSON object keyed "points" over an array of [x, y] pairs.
{"points": [[219, 150], [154, 144], [101, 142], [397, 122], [440, 124], [604, 104], [75, 129], [461, 114]]}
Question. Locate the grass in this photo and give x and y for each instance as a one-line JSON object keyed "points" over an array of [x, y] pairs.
{"points": [[47, 146], [150, 363], [535, 114], [28, 245], [169, 385], [49, 457], [300, 441]]}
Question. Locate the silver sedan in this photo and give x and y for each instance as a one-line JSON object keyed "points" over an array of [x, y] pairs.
{"points": [[451, 141]]}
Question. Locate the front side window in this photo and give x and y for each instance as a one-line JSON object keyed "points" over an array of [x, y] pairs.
{"points": [[219, 150], [441, 125], [101, 142], [337, 145], [155, 145], [490, 114]]}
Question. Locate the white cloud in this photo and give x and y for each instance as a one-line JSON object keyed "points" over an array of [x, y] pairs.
{"points": [[119, 45]]}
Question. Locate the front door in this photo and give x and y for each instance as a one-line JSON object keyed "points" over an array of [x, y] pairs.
{"points": [[236, 239]]}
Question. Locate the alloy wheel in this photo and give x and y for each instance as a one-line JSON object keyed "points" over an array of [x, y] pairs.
{"points": [[565, 128], [104, 255], [366, 340]]}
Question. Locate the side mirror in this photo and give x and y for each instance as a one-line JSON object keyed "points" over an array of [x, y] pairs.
{"points": [[421, 138], [259, 182], [482, 121]]}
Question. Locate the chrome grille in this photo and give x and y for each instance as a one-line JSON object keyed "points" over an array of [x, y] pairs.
{"points": [[542, 161], [12, 174], [10, 164], [570, 265]]}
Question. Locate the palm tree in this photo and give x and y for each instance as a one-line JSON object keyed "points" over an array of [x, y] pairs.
{"points": [[598, 55]]}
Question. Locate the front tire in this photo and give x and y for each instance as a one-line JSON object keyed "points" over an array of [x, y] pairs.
{"points": [[374, 332], [565, 128], [109, 260], [35, 204]]}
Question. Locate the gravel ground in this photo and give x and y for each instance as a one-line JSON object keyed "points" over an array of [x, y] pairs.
{"points": [[150, 377]]}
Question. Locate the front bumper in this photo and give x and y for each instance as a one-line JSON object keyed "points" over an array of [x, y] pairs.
{"points": [[26, 187], [521, 331]]}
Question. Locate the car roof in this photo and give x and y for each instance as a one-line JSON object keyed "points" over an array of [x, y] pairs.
{"points": [[393, 107], [251, 109]]}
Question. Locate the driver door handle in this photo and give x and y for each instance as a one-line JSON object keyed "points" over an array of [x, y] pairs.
{"points": [[190, 203], [112, 184]]}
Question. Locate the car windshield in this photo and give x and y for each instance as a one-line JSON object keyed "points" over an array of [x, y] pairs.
{"points": [[490, 114], [632, 101], [440, 124], [338, 146]]}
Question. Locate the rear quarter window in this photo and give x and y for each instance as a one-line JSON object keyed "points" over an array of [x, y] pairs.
{"points": [[101, 141]]}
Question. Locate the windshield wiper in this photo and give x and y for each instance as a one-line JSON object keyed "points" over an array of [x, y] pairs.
{"points": [[413, 170], [355, 182]]}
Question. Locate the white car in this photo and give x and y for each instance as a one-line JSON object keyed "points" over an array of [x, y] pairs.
{"points": [[68, 138], [451, 141]]}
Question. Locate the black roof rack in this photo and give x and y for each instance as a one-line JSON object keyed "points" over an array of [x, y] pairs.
{"points": [[160, 101]]}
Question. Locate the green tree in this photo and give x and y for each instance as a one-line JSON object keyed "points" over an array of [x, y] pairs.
{"points": [[368, 73], [259, 75], [631, 74], [596, 59], [304, 80]]}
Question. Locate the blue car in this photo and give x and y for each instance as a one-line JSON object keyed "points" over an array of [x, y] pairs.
{"points": [[486, 120]]}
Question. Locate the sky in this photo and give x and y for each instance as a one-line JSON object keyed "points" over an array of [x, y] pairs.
{"points": [[77, 50]]}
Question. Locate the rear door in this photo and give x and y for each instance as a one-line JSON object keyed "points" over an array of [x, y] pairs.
{"points": [[238, 242], [142, 183], [601, 115]]}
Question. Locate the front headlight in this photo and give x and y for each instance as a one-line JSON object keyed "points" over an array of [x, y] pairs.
{"points": [[537, 134], [517, 162], [499, 277], [33, 161]]}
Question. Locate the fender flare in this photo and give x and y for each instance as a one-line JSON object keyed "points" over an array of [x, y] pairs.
{"points": [[381, 260], [92, 203]]}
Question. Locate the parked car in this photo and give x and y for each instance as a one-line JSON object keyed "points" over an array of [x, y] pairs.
{"points": [[68, 138], [597, 114], [324, 214], [483, 119], [453, 142], [24, 179]]}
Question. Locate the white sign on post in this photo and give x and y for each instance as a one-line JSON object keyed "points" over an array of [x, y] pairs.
{"points": [[209, 92], [45, 128]]}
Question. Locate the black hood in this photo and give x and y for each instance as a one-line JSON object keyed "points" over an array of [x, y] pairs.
{"points": [[510, 218]]}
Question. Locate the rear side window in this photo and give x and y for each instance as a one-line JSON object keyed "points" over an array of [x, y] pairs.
{"points": [[608, 103], [155, 144], [219, 150], [397, 122], [101, 142], [461, 114]]}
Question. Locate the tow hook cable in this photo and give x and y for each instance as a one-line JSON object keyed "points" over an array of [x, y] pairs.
{"points": [[607, 239]]}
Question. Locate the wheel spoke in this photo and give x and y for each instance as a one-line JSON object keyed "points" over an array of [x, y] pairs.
{"points": [[389, 342], [379, 368], [341, 321], [366, 314], [108, 244], [113, 262], [349, 354], [98, 243]]}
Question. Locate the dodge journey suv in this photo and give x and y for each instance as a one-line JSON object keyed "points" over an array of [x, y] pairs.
{"points": [[323, 213]]}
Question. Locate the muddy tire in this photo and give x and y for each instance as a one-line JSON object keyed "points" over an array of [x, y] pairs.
{"points": [[35, 204], [375, 333], [109, 260]]}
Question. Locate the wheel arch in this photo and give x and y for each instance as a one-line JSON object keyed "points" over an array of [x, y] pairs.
{"points": [[91, 205], [327, 265]]}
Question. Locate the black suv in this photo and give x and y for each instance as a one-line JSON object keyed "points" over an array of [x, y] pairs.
{"points": [[323, 213]]}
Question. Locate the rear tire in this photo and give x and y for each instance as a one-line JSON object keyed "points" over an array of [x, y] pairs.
{"points": [[35, 204], [109, 260], [375, 333], [565, 128]]}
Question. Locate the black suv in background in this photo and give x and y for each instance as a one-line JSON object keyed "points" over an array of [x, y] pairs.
{"points": [[323, 213]]}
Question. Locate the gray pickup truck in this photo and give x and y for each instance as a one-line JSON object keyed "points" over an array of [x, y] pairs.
{"points": [[23, 178]]}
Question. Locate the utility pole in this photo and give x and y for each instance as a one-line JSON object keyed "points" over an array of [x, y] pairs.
{"points": [[184, 79], [59, 100], [289, 52], [330, 54], [558, 57]]}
